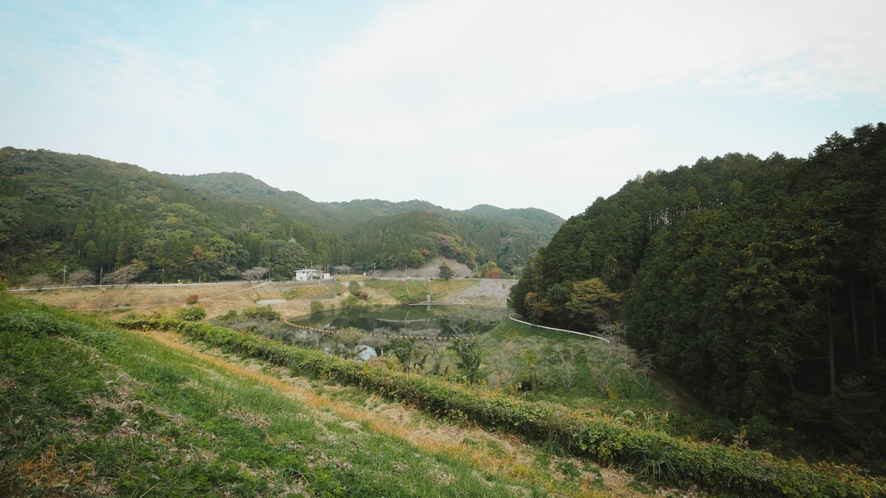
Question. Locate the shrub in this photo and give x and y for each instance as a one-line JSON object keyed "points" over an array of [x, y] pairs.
{"points": [[445, 272], [40, 281], [493, 273], [317, 307], [192, 299], [352, 302], [261, 313], [354, 287], [194, 314], [82, 277]]}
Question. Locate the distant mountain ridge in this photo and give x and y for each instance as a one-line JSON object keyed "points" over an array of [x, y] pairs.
{"points": [[507, 237], [64, 212], [244, 187]]}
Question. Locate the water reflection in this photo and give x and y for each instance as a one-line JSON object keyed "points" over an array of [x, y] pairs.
{"points": [[415, 321]]}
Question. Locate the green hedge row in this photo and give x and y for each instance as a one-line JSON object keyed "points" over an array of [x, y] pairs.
{"points": [[656, 456]]}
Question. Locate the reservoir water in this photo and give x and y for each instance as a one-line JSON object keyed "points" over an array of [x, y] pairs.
{"points": [[419, 321]]}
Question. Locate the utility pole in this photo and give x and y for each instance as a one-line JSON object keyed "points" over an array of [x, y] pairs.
{"points": [[64, 275]]}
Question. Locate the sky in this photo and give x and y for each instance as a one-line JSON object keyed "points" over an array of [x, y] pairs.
{"points": [[511, 103]]}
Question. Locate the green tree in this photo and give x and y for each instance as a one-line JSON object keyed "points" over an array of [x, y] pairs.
{"points": [[445, 272], [92, 256], [592, 303]]}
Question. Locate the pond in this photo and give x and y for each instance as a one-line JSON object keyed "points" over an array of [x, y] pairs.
{"points": [[416, 321]]}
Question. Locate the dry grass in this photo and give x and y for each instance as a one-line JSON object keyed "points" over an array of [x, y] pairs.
{"points": [[57, 479], [218, 299], [215, 299]]}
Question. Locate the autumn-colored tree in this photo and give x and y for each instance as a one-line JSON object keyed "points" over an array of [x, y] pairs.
{"points": [[493, 273]]}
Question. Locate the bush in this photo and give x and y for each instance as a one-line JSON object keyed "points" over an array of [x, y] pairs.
{"points": [[194, 314], [261, 313], [317, 307], [230, 315], [40, 281], [192, 299], [445, 272]]}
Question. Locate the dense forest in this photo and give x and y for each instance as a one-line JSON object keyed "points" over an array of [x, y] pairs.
{"points": [[79, 219], [387, 234], [758, 284]]}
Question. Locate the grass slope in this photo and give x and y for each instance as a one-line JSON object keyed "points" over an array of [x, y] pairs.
{"points": [[93, 410], [657, 456]]}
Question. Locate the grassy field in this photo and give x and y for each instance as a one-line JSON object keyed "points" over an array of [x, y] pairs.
{"points": [[116, 302], [413, 291], [217, 300], [90, 409], [317, 291], [93, 410]]}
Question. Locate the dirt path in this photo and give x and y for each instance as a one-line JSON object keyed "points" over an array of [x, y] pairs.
{"points": [[502, 454]]}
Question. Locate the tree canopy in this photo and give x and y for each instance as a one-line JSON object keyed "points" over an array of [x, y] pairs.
{"points": [[757, 283], [89, 214]]}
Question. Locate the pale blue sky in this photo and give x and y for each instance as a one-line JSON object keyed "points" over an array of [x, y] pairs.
{"points": [[516, 104]]}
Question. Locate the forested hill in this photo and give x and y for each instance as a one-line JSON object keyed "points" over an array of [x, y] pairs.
{"points": [[483, 234], [63, 215], [757, 283]]}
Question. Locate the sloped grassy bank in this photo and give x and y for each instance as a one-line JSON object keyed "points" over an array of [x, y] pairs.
{"points": [[656, 456], [89, 409]]}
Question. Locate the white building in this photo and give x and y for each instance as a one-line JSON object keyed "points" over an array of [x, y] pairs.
{"points": [[310, 274], [305, 275]]}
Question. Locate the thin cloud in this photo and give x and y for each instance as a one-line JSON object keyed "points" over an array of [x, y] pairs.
{"points": [[457, 102], [420, 70]]}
